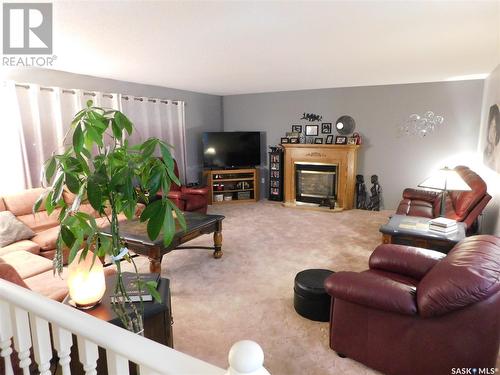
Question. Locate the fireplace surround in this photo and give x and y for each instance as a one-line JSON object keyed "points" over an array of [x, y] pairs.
{"points": [[339, 161]]}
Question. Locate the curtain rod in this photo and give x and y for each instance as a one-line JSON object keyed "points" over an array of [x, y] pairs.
{"points": [[88, 93]]}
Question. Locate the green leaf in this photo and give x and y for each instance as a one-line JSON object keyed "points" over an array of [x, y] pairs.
{"points": [[152, 288], [94, 195], [49, 206], [73, 251], [78, 139], [73, 183], [148, 148], [180, 215], [38, 202], [169, 162], [50, 168], [151, 210], [93, 135], [117, 132], [67, 236], [168, 226], [58, 188], [156, 222], [123, 122], [89, 103]]}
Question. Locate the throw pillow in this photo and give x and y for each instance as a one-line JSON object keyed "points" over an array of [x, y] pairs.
{"points": [[12, 230]]}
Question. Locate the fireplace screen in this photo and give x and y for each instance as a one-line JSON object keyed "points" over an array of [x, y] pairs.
{"points": [[315, 182]]}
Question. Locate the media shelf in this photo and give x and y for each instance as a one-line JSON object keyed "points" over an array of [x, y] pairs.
{"points": [[233, 185], [276, 174]]}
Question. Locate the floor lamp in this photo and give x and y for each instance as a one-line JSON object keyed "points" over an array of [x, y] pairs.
{"points": [[445, 179]]}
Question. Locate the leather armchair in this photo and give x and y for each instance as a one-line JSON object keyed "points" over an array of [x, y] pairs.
{"points": [[189, 199], [417, 311], [464, 206]]}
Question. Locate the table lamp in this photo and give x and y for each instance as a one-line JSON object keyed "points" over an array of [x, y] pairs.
{"points": [[86, 281], [445, 179]]}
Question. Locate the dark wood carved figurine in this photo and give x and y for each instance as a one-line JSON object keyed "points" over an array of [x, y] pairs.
{"points": [[311, 117], [360, 192], [374, 204]]}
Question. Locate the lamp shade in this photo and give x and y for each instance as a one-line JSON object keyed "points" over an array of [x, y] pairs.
{"points": [[445, 179], [86, 281]]}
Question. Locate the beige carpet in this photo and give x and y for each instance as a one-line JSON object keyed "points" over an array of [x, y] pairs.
{"points": [[248, 293]]}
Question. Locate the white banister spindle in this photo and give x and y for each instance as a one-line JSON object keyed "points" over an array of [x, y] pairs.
{"points": [[42, 347], [62, 343], [88, 354], [117, 365], [5, 337], [22, 337], [246, 358]]}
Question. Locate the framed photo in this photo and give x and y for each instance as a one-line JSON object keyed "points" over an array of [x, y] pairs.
{"points": [[294, 140], [284, 140], [297, 128], [318, 141], [310, 140], [312, 130], [351, 141], [292, 134], [329, 139], [326, 128], [340, 140]]}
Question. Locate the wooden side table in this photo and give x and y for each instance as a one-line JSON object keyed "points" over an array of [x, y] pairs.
{"points": [[414, 231], [157, 322]]}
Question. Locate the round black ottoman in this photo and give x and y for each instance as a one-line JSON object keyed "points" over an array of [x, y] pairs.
{"points": [[310, 299]]}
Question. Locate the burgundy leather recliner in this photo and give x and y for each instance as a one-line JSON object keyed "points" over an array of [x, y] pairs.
{"points": [[417, 311], [463, 206], [188, 199]]}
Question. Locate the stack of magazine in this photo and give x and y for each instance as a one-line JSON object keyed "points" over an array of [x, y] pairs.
{"points": [[443, 225], [134, 292]]}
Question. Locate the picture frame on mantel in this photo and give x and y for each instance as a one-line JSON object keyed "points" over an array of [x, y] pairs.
{"points": [[329, 139], [312, 130], [340, 140], [297, 128], [284, 140], [318, 141]]}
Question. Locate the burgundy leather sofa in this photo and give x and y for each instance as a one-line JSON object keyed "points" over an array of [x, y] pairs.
{"points": [[417, 311], [463, 206], [189, 199]]}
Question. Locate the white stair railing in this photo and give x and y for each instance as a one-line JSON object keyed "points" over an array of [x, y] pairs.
{"points": [[28, 319]]}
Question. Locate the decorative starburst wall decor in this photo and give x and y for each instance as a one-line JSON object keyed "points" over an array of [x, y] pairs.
{"points": [[420, 126]]}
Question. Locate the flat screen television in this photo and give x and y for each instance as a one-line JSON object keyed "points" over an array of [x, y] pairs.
{"points": [[231, 149]]}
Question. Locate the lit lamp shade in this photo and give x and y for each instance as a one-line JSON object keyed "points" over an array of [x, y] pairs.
{"points": [[86, 282], [445, 179]]}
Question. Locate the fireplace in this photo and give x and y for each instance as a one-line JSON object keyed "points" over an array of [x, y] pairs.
{"points": [[314, 182], [333, 170]]}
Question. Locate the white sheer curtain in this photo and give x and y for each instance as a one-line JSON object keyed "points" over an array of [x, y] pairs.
{"points": [[34, 121], [163, 119]]}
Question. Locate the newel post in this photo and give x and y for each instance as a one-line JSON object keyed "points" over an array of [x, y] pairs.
{"points": [[246, 358]]}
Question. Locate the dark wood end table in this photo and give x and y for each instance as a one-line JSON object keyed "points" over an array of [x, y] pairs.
{"points": [[414, 231], [134, 234], [157, 322]]}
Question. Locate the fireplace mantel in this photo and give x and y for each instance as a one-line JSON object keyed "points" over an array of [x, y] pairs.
{"points": [[344, 156]]}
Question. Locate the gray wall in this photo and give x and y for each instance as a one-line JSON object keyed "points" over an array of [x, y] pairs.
{"points": [[203, 111], [399, 162]]}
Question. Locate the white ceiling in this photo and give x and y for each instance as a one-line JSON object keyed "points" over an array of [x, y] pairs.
{"points": [[230, 47]]}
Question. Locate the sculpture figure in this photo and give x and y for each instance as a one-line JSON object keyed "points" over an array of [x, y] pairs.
{"points": [[360, 192], [374, 204]]}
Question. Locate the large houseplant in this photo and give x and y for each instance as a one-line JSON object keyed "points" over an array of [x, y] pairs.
{"points": [[101, 167]]}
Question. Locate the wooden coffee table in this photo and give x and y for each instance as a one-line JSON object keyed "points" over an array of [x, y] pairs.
{"points": [[135, 237], [414, 231]]}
